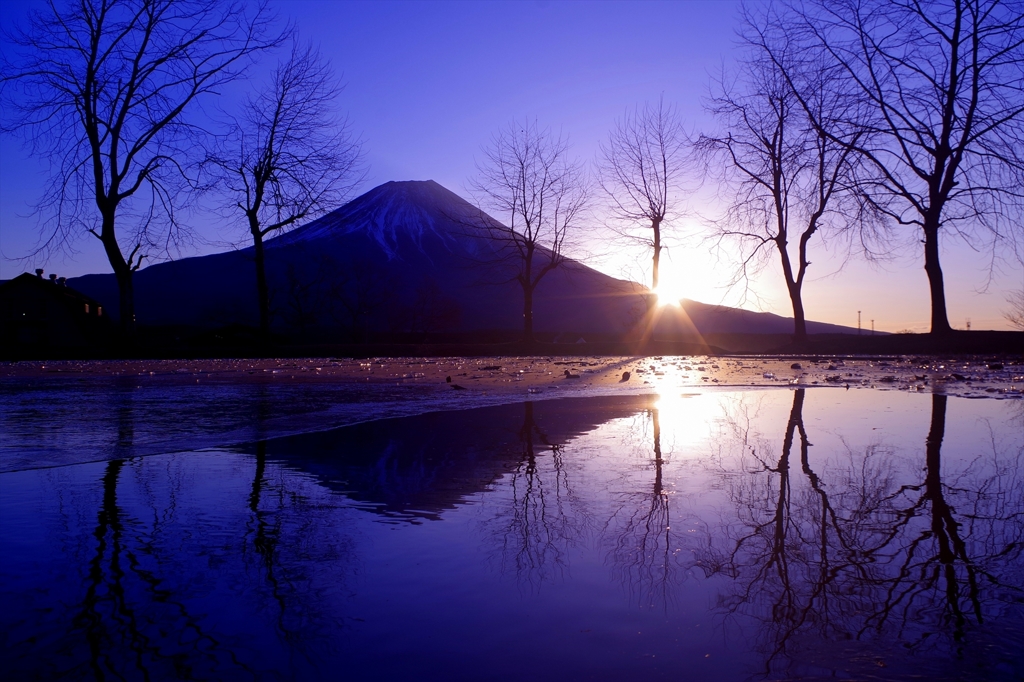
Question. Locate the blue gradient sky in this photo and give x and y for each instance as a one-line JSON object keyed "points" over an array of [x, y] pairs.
{"points": [[427, 84]]}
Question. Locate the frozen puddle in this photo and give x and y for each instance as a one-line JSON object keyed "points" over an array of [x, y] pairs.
{"points": [[726, 535]]}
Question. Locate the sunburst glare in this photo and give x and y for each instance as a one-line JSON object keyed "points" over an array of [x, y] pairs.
{"points": [[671, 288], [669, 294]]}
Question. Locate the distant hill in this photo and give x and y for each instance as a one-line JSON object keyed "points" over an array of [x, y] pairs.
{"points": [[715, 319], [404, 258]]}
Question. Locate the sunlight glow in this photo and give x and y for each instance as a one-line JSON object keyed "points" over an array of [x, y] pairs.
{"points": [[685, 418], [668, 294], [673, 285], [694, 274]]}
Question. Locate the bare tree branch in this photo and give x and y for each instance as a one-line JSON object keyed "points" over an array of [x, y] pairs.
{"points": [[788, 182], [640, 170], [103, 88], [290, 157], [528, 179], [1015, 314], [940, 84]]}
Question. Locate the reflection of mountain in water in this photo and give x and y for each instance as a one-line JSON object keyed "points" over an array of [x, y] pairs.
{"points": [[816, 557], [417, 467]]}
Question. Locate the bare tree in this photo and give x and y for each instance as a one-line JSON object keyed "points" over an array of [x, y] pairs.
{"points": [[786, 180], [640, 169], [291, 156], [1015, 314], [942, 84], [528, 179], [103, 87]]}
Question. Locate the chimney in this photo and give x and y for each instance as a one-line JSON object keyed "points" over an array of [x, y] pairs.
{"points": [[39, 273]]}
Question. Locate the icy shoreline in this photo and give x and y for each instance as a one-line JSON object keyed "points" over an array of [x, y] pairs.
{"points": [[58, 413]]}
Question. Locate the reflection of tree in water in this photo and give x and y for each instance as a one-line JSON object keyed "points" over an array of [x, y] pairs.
{"points": [[159, 574], [283, 521], [861, 556], [128, 608], [642, 556], [123, 408], [543, 519], [947, 555]]}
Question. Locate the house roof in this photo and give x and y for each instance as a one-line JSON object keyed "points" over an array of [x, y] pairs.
{"points": [[60, 291]]}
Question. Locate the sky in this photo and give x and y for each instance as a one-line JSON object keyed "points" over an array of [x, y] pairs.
{"points": [[427, 84]]}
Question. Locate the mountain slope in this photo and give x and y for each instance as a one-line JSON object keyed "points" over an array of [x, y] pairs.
{"points": [[714, 319], [405, 257]]}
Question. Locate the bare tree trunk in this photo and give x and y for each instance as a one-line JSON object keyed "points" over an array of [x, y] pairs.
{"points": [[262, 290], [794, 286], [799, 319], [108, 523], [940, 322], [933, 445], [527, 313], [123, 274], [526, 279], [126, 291], [781, 527]]}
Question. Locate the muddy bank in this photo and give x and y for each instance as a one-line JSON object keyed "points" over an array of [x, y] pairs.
{"points": [[972, 376]]}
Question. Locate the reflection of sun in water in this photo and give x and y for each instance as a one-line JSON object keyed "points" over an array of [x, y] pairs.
{"points": [[685, 418]]}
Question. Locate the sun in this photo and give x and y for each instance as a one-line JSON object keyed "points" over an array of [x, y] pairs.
{"points": [[669, 293]]}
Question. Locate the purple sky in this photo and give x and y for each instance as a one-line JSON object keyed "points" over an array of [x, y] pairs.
{"points": [[428, 83]]}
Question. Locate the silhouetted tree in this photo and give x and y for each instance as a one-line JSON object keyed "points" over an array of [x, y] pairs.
{"points": [[291, 594], [640, 169], [103, 88], [290, 156], [786, 180], [940, 83], [1015, 315], [528, 179]]}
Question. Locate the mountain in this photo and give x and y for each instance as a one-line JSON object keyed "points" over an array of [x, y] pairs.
{"points": [[407, 258], [716, 319], [404, 257]]}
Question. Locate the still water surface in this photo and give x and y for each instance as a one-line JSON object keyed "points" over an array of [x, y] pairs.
{"points": [[721, 536]]}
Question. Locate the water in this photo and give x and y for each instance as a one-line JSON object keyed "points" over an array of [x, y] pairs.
{"points": [[732, 535]]}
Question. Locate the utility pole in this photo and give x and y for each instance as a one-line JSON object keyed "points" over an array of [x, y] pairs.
{"points": [[858, 323], [872, 327]]}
